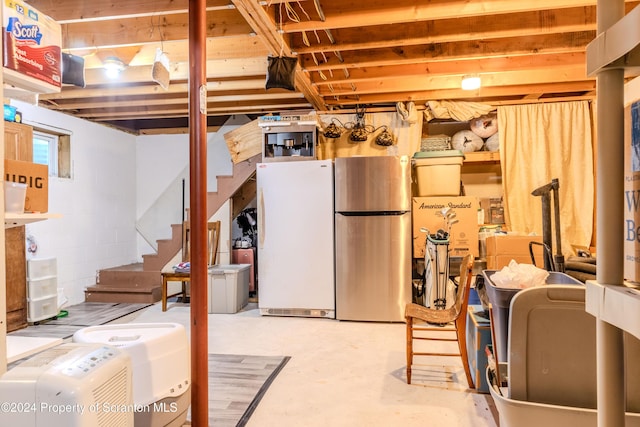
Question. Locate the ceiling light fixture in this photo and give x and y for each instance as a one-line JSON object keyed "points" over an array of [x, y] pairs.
{"points": [[471, 82], [113, 66]]}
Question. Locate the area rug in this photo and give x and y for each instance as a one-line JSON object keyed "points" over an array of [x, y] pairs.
{"points": [[237, 384], [79, 316]]}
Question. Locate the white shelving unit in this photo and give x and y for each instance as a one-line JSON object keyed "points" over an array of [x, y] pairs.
{"points": [[16, 220], [42, 289], [614, 306]]}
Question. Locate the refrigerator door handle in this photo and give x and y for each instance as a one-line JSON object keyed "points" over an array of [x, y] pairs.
{"points": [[262, 230]]}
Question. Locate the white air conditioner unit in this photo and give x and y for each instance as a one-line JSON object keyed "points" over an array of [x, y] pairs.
{"points": [[71, 385]]}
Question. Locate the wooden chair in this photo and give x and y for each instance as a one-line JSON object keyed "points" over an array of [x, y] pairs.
{"points": [[213, 238], [456, 314]]}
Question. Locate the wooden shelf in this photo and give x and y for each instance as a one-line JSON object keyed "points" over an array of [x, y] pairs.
{"points": [[16, 220], [482, 157]]}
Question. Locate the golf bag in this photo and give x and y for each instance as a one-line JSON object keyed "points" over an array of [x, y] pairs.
{"points": [[436, 289]]}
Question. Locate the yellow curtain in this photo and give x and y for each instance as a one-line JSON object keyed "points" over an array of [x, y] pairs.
{"points": [[539, 142]]}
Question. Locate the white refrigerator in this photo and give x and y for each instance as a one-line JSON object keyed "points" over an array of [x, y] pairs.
{"points": [[296, 239]]}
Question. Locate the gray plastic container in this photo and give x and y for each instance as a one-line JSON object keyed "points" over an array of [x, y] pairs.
{"points": [[500, 299]]}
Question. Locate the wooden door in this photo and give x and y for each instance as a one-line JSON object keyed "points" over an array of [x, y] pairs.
{"points": [[18, 142]]}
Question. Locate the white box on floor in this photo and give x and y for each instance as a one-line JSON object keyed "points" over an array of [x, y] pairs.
{"points": [[228, 287]]}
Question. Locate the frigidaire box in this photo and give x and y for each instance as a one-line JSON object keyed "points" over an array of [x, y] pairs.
{"points": [[36, 177], [427, 213]]}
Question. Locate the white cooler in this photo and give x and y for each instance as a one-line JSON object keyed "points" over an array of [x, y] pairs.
{"points": [[228, 287], [161, 367]]}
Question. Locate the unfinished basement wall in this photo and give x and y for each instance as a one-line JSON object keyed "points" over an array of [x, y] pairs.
{"points": [[98, 203]]}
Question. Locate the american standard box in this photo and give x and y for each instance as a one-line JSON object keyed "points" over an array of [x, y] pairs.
{"points": [[36, 177], [426, 212]]}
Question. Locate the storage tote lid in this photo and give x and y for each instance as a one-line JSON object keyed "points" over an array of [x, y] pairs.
{"points": [[437, 154]]}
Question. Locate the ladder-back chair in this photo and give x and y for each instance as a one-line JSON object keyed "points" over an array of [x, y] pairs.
{"points": [[213, 239], [456, 314]]}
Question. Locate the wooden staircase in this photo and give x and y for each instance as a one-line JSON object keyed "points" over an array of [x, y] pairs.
{"points": [[141, 282]]}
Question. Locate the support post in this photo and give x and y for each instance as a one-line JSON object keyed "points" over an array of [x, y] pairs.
{"points": [[198, 213], [610, 223]]}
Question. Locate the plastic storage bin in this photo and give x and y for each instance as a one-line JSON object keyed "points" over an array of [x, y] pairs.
{"points": [[42, 288], [15, 195], [40, 268], [438, 172], [552, 374], [228, 288], [42, 308], [500, 299]]}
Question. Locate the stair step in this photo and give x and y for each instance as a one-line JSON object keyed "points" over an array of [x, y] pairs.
{"points": [[116, 294], [227, 186], [129, 276]]}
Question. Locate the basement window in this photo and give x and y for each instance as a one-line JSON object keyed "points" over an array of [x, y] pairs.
{"points": [[54, 150], [45, 151]]}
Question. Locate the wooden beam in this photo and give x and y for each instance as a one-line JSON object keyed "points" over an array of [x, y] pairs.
{"points": [[543, 44], [237, 47], [340, 14], [99, 10], [453, 67], [481, 95], [452, 30], [428, 82], [224, 108], [147, 29], [179, 72], [262, 24], [153, 89], [91, 102]]}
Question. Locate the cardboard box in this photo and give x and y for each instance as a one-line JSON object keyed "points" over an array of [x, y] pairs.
{"points": [[501, 244], [478, 336], [37, 179], [502, 248], [632, 188], [32, 48], [464, 234]]}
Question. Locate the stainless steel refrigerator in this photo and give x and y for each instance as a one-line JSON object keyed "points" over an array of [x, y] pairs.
{"points": [[373, 237], [295, 238]]}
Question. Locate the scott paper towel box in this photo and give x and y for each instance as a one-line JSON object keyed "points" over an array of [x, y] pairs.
{"points": [[31, 43]]}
